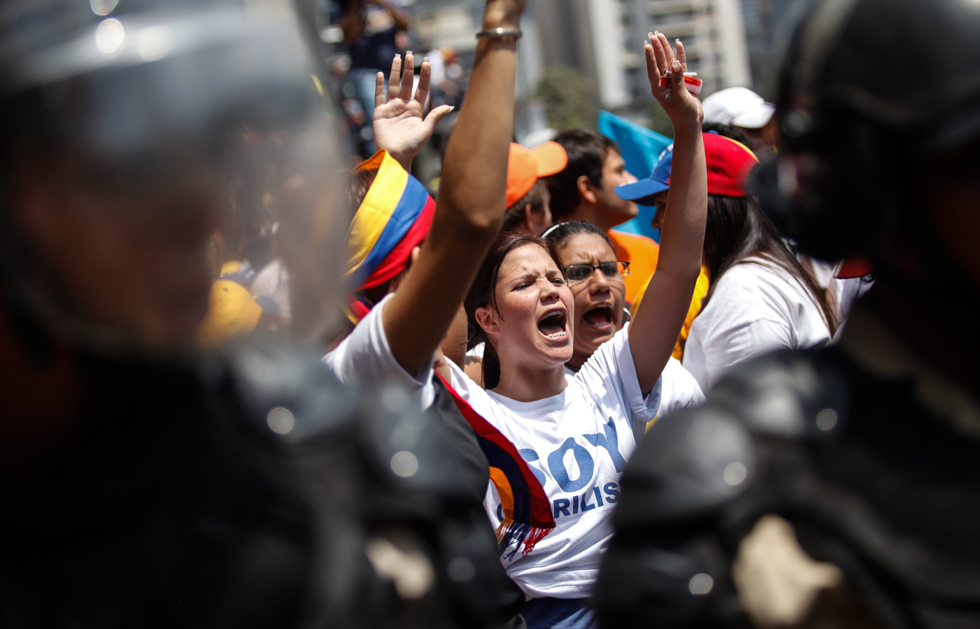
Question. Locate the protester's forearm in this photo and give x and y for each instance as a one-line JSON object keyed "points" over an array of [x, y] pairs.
{"points": [[470, 206], [474, 179], [661, 314], [682, 236], [501, 15], [350, 24]]}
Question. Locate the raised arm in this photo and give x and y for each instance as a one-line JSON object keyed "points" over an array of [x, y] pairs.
{"points": [[470, 206], [660, 316]]}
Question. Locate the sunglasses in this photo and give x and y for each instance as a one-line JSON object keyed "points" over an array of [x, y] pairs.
{"points": [[614, 270]]}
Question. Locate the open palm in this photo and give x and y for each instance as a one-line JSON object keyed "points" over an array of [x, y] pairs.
{"points": [[399, 125]]}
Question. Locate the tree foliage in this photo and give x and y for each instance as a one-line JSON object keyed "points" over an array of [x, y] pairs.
{"points": [[568, 98], [659, 121]]}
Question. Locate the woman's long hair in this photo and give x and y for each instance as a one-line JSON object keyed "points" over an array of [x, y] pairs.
{"points": [[483, 293], [737, 229]]}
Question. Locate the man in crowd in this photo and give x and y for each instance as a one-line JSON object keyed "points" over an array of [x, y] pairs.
{"points": [[528, 200], [370, 31], [839, 487], [585, 191]]}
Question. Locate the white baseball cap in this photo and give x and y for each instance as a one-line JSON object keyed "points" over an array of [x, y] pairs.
{"points": [[739, 107]]}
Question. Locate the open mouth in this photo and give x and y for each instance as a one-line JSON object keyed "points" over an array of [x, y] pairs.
{"points": [[599, 317], [554, 324]]}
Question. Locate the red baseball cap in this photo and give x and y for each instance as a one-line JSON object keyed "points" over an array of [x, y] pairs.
{"points": [[729, 165], [526, 166], [852, 267]]}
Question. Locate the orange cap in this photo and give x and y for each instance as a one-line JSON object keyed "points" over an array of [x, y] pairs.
{"points": [[526, 166]]}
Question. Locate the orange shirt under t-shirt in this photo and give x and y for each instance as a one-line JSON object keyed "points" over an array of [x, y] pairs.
{"points": [[642, 253]]}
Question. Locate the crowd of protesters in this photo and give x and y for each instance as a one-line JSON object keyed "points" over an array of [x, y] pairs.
{"points": [[504, 306], [569, 337]]}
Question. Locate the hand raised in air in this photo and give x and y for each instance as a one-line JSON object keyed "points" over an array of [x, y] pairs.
{"points": [[399, 125], [682, 107]]}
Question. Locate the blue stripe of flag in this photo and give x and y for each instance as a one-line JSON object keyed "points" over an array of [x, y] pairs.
{"points": [[409, 207]]}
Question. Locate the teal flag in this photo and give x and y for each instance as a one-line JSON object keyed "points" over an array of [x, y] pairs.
{"points": [[641, 147]]}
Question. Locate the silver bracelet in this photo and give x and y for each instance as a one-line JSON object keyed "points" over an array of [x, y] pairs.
{"points": [[503, 34]]}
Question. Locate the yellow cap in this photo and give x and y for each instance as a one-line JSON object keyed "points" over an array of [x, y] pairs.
{"points": [[232, 312]]}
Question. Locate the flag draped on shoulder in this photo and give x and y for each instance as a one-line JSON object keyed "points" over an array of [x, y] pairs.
{"points": [[527, 511]]}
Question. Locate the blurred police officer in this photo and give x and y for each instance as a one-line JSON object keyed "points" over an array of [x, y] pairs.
{"points": [[145, 481], [840, 487]]}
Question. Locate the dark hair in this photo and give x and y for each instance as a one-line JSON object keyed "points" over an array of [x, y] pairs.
{"points": [[727, 131], [483, 293], [587, 151], [737, 229], [562, 232], [514, 216], [357, 186]]}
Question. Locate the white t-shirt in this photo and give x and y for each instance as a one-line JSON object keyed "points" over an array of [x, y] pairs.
{"points": [[678, 389], [365, 357], [273, 281], [756, 308], [577, 442]]}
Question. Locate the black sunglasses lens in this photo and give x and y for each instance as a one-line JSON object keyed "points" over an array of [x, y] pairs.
{"points": [[577, 272], [610, 269]]}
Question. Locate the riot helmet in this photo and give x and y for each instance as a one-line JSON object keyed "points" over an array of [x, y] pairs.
{"points": [[146, 145], [870, 90]]}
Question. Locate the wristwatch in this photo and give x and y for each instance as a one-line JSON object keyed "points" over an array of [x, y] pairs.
{"points": [[501, 33]]}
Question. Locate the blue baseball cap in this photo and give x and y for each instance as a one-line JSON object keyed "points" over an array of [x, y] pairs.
{"points": [[658, 181]]}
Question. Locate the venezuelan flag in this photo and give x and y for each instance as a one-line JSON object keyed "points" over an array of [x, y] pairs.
{"points": [[393, 219], [527, 510]]}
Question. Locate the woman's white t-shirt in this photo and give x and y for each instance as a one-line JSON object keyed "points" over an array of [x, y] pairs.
{"points": [[577, 443], [756, 308], [678, 388]]}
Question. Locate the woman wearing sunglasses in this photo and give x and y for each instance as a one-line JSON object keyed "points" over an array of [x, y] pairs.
{"points": [[596, 279]]}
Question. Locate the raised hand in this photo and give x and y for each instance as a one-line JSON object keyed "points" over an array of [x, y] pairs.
{"points": [[399, 126], [682, 107]]}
